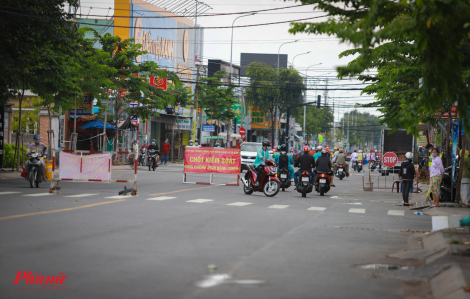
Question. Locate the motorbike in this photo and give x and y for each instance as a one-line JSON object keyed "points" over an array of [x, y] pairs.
{"points": [[322, 183], [152, 163], [372, 165], [340, 173], [283, 176], [269, 183], [448, 193], [143, 155], [305, 185], [359, 166], [35, 164]]}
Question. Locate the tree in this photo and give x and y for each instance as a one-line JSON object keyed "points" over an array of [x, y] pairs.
{"points": [[217, 98], [361, 127], [317, 120], [425, 39]]}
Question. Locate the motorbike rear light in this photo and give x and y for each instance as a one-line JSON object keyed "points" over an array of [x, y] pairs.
{"points": [[322, 175]]}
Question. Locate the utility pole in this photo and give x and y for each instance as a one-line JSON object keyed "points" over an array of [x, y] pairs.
{"points": [[349, 147], [197, 103]]}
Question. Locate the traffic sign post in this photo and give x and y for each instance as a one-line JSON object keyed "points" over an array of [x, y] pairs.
{"points": [[242, 131], [389, 159]]}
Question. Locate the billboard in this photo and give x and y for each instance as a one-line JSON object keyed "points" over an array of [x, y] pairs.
{"points": [[269, 59]]}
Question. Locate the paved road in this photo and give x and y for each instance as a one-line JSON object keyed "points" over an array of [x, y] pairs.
{"points": [[160, 243]]}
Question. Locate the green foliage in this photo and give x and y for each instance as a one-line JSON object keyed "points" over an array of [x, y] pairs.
{"points": [[405, 40], [317, 120], [217, 98], [361, 127], [28, 117], [9, 152]]}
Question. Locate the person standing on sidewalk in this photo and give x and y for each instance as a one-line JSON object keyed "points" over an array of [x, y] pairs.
{"points": [[436, 171], [165, 151], [465, 183], [407, 174]]}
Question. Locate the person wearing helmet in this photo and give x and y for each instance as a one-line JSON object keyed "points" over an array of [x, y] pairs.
{"points": [[335, 154], [323, 164], [283, 160], [276, 152], [318, 152], [360, 156], [407, 173], [41, 149], [190, 142], [217, 145], [341, 159], [154, 146], [195, 143], [305, 162], [143, 150], [372, 157], [312, 151], [261, 156], [353, 158]]}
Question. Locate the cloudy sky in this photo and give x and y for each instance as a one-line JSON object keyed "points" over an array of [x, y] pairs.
{"points": [[267, 39]]}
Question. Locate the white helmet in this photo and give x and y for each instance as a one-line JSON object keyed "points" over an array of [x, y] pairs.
{"points": [[360, 151], [409, 155], [319, 147]]}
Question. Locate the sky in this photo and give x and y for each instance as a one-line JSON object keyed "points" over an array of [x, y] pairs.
{"points": [[267, 39]]}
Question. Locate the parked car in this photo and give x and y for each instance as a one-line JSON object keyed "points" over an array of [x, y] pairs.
{"points": [[248, 153]]}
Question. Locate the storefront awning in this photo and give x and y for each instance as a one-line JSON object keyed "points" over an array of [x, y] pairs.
{"points": [[232, 135]]}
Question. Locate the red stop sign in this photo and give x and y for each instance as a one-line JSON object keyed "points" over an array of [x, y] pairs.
{"points": [[242, 131], [389, 159]]}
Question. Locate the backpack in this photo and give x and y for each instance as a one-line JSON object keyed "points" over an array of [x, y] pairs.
{"points": [[283, 161]]}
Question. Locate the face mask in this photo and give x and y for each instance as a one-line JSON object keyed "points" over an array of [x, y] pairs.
{"points": [[191, 143], [166, 141], [434, 155], [36, 141], [153, 142], [195, 143]]}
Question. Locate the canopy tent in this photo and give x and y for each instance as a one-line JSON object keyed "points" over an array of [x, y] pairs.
{"points": [[93, 125]]}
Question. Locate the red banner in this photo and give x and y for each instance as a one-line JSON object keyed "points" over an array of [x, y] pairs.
{"points": [[212, 160]]}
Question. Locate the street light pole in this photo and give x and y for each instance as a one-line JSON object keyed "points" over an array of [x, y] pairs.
{"points": [[231, 43], [299, 55], [279, 94], [305, 101]]}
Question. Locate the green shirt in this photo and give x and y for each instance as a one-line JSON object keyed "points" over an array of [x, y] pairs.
{"points": [[466, 165]]}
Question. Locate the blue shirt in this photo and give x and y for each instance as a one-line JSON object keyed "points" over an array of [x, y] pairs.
{"points": [[260, 154], [291, 161], [317, 155]]}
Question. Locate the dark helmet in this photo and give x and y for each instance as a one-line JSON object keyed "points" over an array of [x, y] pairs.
{"points": [[36, 139], [283, 148], [266, 143]]}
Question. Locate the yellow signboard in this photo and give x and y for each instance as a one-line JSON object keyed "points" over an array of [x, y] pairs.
{"points": [[422, 140]]}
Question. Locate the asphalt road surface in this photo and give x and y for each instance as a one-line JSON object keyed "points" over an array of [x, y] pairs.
{"points": [[176, 240]]}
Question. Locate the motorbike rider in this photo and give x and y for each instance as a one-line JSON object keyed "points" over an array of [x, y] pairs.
{"points": [[318, 152], [154, 146], [283, 160], [359, 157], [323, 164], [217, 145], [312, 151], [305, 163], [41, 149], [261, 156], [143, 149], [276, 152], [341, 159], [353, 158], [335, 154], [372, 158]]}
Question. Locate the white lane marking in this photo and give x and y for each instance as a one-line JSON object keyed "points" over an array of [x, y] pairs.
{"points": [[316, 209], [81, 195], [278, 207], [396, 213], [199, 200], [360, 211], [8, 192], [120, 196], [239, 204], [161, 198], [39, 194], [333, 196]]}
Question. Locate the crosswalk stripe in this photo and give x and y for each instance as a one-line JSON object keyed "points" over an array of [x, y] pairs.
{"points": [[81, 195], [396, 213], [278, 207], [239, 204], [161, 198], [199, 200], [360, 211], [316, 209], [8, 192], [39, 194]]}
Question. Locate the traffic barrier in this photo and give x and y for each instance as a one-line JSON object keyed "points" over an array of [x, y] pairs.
{"points": [[212, 161], [103, 167]]}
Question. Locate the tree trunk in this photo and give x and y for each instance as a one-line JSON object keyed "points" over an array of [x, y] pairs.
{"points": [[49, 133], [449, 123], [19, 128]]}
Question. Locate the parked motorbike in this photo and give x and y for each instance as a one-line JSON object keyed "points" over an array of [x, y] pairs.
{"points": [[269, 183], [322, 183], [446, 194], [340, 173], [283, 176], [305, 185], [35, 164], [152, 163]]}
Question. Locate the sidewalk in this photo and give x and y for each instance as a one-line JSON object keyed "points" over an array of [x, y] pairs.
{"points": [[7, 174]]}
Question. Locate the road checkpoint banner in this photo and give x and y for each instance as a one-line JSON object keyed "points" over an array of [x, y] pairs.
{"points": [[212, 160]]}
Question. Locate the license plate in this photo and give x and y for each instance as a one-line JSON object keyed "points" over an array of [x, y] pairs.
{"points": [[340, 170], [322, 181], [283, 176], [305, 179]]}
